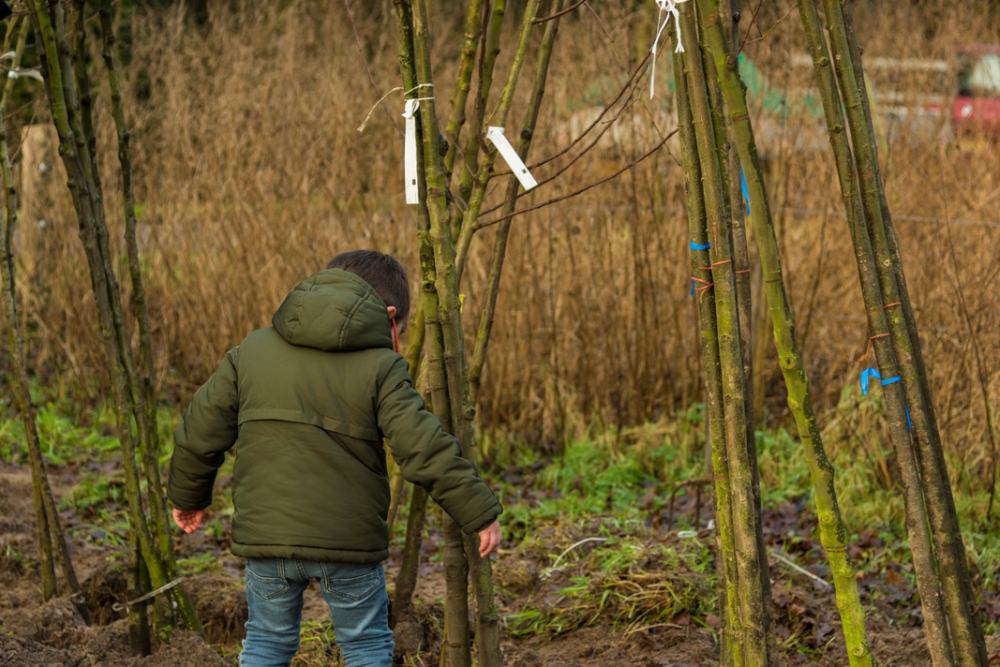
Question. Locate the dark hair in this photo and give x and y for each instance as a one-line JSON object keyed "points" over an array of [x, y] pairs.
{"points": [[384, 273]]}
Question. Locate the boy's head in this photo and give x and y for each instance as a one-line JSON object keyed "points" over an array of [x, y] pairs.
{"points": [[384, 273]]}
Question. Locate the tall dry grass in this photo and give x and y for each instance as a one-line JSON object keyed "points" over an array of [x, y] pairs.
{"points": [[251, 174]]}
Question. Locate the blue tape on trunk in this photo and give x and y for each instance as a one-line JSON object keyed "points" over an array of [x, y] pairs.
{"points": [[746, 192], [873, 373]]}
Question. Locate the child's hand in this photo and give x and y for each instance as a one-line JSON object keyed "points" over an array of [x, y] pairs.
{"points": [[489, 538], [189, 520]]}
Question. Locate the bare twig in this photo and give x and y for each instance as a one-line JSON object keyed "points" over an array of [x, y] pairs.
{"points": [[581, 190], [753, 22], [974, 340], [628, 86], [562, 13], [371, 77], [763, 35], [799, 568], [697, 483]]}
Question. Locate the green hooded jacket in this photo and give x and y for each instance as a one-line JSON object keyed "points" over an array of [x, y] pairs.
{"points": [[308, 402]]}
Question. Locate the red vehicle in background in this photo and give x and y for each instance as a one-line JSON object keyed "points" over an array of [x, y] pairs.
{"points": [[976, 110]]}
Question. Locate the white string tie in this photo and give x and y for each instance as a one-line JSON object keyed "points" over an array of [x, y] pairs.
{"points": [[361, 128], [668, 10], [29, 72], [166, 587]]}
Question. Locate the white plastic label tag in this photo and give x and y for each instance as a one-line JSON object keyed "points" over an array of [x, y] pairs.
{"points": [[410, 153], [495, 134]]}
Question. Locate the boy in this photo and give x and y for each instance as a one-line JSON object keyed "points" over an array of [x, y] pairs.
{"points": [[309, 401]]}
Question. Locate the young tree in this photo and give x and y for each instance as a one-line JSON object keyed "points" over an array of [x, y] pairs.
{"points": [[747, 584], [954, 632], [447, 224], [48, 529], [833, 535], [67, 87]]}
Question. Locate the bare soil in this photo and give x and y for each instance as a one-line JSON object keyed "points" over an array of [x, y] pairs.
{"points": [[34, 632]]}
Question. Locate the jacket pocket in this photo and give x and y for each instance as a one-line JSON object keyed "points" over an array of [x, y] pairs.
{"points": [[264, 585], [353, 588]]}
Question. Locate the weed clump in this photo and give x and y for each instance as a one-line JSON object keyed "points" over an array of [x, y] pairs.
{"points": [[624, 582]]}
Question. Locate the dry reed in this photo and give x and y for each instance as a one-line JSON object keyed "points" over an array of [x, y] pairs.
{"points": [[251, 174]]}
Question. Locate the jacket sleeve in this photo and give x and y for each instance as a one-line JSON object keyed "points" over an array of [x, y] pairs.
{"points": [[429, 456], [206, 432]]}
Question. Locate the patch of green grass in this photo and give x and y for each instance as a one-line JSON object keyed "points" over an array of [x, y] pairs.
{"points": [[63, 435], [608, 485], [69, 432], [13, 555], [95, 490], [197, 563], [784, 471], [620, 477], [11, 437], [228, 652]]}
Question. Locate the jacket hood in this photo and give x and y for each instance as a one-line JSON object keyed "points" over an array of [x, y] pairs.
{"points": [[334, 311]]}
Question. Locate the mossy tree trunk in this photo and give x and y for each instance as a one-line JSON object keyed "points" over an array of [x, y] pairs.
{"points": [[49, 531], [444, 242], [747, 590], [953, 572], [63, 84], [21, 381], [701, 283], [953, 630], [832, 532]]}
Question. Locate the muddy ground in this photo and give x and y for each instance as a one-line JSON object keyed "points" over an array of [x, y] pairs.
{"points": [[52, 634]]}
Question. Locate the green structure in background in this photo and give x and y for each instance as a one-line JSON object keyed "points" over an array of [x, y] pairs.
{"points": [[763, 95]]}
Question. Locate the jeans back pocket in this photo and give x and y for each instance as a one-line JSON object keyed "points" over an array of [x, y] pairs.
{"points": [[352, 582], [268, 581]]}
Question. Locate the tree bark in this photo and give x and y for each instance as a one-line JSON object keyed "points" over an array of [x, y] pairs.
{"points": [[939, 643], [731, 652], [832, 532], [754, 583], [81, 168]]}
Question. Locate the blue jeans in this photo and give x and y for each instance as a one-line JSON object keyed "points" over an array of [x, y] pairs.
{"points": [[359, 608]]}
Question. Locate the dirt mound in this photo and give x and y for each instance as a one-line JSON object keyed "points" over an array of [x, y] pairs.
{"points": [[108, 645], [52, 633]]}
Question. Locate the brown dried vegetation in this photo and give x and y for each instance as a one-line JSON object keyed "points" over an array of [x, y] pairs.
{"points": [[251, 174]]}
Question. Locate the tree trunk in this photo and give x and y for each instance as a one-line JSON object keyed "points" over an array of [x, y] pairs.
{"points": [[48, 528], [715, 420], [128, 398], [966, 629], [916, 519], [832, 532], [753, 581]]}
